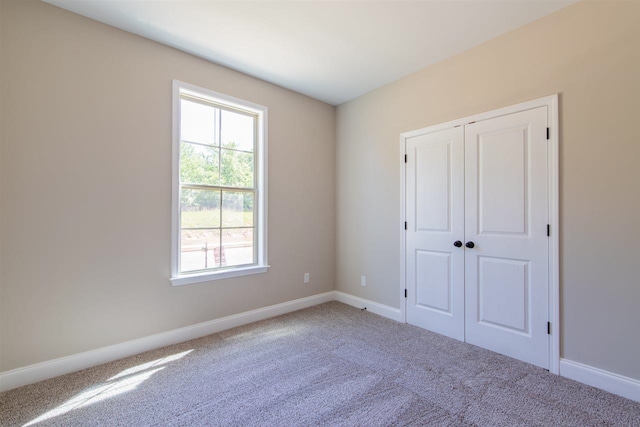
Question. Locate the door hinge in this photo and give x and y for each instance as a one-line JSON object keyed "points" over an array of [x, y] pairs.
{"points": [[548, 230], [548, 133], [405, 158], [405, 293], [405, 225], [548, 328]]}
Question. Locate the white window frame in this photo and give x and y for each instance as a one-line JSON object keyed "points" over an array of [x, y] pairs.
{"points": [[261, 265]]}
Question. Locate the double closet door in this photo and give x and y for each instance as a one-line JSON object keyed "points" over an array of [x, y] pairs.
{"points": [[477, 246]]}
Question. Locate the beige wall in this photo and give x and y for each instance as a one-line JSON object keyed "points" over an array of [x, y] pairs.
{"points": [[590, 54], [1, 132], [86, 188]]}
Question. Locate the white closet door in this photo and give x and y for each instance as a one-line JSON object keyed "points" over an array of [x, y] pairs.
{"points": [[435, 220], [506, 216]]}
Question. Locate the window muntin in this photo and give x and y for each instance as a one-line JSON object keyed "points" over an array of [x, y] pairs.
{"points": [[219, 151]]}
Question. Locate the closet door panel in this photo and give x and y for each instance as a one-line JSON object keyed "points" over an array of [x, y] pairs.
{"points": [[506, 215], [435, 220], [502, 182]]}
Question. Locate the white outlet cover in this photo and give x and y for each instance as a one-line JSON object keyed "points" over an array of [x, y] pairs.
{"points": [[363, 280]]}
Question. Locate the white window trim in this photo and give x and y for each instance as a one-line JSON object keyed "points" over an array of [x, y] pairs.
{"points": [[261, 266]]}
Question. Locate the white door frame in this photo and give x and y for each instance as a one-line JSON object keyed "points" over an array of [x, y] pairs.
{"points": [[551, 102]]}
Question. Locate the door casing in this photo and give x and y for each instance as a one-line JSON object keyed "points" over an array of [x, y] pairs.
{"points": [[551, 102]]}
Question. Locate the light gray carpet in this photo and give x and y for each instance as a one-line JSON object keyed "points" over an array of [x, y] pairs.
{"points": [[326, 365]]}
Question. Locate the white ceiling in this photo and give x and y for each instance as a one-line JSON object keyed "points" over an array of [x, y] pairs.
{"points": [[333, 51]]}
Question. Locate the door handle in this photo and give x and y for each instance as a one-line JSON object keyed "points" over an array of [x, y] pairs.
{"points": [[470, 244], [457, 244]]}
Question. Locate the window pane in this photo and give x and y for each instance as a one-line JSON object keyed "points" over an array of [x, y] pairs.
{"points": [[199, 249], [237, 246], [237, 130], [199, 164], [200, 208], [237, 209], [197, 122], [216, 211], [236, 169]]}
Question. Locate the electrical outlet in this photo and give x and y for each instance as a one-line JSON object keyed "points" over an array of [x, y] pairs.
{"points": [[363, 280], [306, 277]]}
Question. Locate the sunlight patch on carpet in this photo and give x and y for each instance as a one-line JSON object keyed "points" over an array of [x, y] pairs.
{"points": [[123, 382], [145, 366]]}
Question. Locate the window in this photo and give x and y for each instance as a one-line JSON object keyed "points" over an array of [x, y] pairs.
{"points": [[219, 186]]}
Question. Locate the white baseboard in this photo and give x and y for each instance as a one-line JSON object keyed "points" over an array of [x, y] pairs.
{"points": [[64, 365], [613, 383], [374, 307], [608, 381]]}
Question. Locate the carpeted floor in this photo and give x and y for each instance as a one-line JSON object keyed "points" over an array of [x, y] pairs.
{"points": [[327, 365]]}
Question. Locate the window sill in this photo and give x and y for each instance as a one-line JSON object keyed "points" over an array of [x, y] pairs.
{"points": [[209, 276]]}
